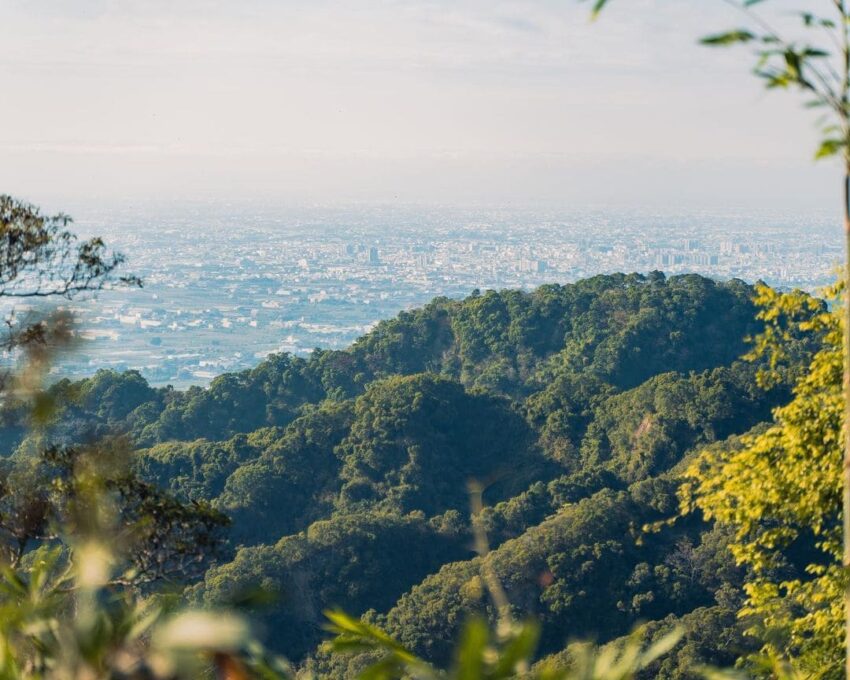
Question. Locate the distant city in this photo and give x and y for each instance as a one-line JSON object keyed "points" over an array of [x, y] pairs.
{"points": [[226, 286]]}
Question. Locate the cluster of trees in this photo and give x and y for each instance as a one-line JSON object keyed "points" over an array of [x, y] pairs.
{"points": [[618, 330], [345, 474]]}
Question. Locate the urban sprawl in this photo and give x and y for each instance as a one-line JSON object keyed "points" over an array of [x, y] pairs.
{"points": [[220, 293]]}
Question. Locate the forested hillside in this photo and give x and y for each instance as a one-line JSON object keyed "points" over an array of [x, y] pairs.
{"points": [[345, 473]]}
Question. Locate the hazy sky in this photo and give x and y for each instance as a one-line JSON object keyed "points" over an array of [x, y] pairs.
{"points": [[440, 101]]}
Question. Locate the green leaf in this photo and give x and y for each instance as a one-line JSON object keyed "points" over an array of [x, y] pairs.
{"points": [[660, 647], [387, 668], [810, 19], [598, 5], [829, 147], [792, 64], [728, 38], [353, 633], [520, 649], [471, 651]]}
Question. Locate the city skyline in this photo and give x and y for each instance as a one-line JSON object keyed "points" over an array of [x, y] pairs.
{"points": [[251, 282]]}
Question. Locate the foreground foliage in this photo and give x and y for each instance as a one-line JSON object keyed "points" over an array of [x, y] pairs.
{"points": [[75, 609], [780, 492], [503, 653]]}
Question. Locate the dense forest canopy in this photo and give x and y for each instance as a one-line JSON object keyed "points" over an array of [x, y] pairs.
{"points": [[344, 473]]}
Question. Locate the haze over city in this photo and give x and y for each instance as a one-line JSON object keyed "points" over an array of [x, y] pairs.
{"points": [[466, 144]]}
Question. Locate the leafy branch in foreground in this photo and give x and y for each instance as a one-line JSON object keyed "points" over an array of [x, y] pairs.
{"points": [[61, 619], [815, 61], [486, 654], [40, 257], [76, 606], [161, 538]]}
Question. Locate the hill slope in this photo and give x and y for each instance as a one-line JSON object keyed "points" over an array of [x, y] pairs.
{"points": [[345, 472]]}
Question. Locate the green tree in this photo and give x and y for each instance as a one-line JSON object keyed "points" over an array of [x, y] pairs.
{"points": [[40, 258], [504, 651], [165, 540], [780, 491], [818, 66]]}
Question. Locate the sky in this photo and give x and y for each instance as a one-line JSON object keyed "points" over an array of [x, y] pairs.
{"points": [[492, 102]]}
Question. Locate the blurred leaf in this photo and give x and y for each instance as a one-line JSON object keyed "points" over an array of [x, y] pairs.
{"points": [[598, 6], [519, 651], [43, 408], [197, 631], [662, 646], [829, 147], [471, 650], [94, 562], [729, 38], [814, 52], [351, 631]]}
